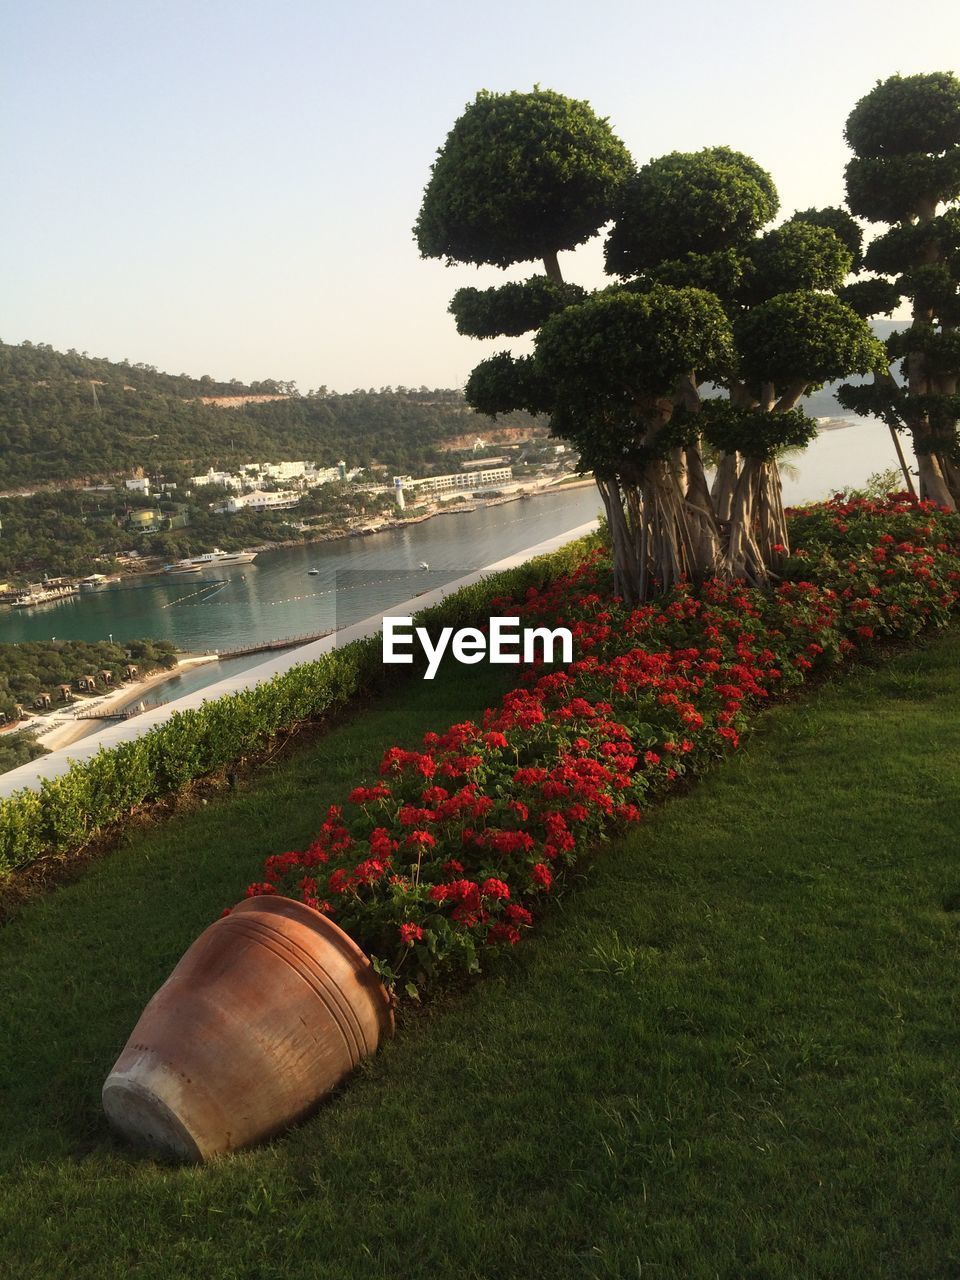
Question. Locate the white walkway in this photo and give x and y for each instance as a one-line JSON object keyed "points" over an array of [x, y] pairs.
{"points": [[57, 762]]}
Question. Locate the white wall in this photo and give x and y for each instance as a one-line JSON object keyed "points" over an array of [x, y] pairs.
{"points": [[57, 762]]}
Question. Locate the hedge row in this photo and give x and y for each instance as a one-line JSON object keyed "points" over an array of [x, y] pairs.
{"points": [[66, 812]]}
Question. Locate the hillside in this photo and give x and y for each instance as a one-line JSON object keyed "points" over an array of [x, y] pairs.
{"points": [[69, 417]]}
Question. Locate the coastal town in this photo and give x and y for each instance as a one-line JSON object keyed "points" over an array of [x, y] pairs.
{"points": [[306, 502]]}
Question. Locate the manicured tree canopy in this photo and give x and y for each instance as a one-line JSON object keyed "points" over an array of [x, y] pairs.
{"points": [[910, 244], [800, 340], [906, 114], [797, 255], [906, 137], [901, 187], [755, 433], [607, 357], [870, 297], [682, 203], [520, 176], [723, 273], [846, 228], [504, 383], [511, 309]]}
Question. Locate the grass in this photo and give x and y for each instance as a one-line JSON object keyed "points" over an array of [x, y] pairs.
{"points": [[733, 1052]]}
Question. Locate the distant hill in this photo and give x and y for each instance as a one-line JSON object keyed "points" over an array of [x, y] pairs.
{"points": [[69, 417], [72, 417]]}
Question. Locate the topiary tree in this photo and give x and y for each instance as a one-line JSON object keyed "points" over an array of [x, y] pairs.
{"points": [[521, 177], [696, 219], [613, 365], [621, 371], [905, 135], [786, 345]]}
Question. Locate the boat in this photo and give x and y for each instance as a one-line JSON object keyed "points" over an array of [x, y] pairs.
{"points": [[313, 572], [212, 559]]}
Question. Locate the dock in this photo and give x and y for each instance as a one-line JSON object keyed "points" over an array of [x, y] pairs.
{"points": [[270, 646], [123, 713]]}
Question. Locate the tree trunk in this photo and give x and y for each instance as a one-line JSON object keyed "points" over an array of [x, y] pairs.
{"points": [[661, 536], [702, 515], [724, 483], [758, 542], [552, 267], [907, 477], [933, 484]]}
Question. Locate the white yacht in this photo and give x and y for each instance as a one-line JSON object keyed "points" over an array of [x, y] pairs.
{"points": [[211, 559]]}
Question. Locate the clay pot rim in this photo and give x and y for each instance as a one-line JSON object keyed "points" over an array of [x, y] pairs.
{"points": [[316, 920]]}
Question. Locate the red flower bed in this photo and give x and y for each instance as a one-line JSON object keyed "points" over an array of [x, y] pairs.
{"points": [[453, 850]]}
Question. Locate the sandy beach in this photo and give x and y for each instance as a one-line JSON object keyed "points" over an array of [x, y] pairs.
{"points": [[60, 728]]}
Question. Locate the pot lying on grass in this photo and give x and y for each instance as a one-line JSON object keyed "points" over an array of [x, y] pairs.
{"points": [[267, 1011]]}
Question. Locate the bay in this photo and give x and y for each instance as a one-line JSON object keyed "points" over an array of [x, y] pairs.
{"points": [[277, 597]]}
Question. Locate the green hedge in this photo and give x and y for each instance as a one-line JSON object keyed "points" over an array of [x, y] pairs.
{"points": [[66, 812]]}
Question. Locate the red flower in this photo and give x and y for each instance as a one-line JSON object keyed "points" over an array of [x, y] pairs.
{"points": [[541, 875], [517, 914], [494, 889], [504, 933], [410, 933]]}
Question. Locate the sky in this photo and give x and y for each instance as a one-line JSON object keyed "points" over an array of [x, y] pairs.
{"points": [[229, 187]]}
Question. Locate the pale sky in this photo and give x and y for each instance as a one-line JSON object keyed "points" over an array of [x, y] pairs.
{"points": [[229, 187]]}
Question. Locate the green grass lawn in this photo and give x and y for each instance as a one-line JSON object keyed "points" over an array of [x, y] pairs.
{"points": [[733, 1051]]}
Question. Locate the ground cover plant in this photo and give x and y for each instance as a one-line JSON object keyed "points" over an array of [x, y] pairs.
{"points": [[451, 851], [731, 1053]]}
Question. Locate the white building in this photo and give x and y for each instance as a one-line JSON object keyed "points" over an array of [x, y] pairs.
{"points": [[456, 482], [222, 478], [285, 470], [138, 484], [260, 501]]}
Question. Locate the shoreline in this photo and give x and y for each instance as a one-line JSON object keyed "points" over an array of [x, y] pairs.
{"points": [[152, 567], [62, 729], [389, 524]]}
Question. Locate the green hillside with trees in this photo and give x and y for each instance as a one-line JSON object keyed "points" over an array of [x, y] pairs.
{"points": [[72, 533], [41, 667], [70, 417]]}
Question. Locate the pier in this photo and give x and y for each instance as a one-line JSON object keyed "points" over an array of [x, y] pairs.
{"points": [[270, 646], [121, 713]]}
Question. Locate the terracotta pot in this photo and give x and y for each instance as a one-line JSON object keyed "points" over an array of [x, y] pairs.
{"points": [[271, 1007]]}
